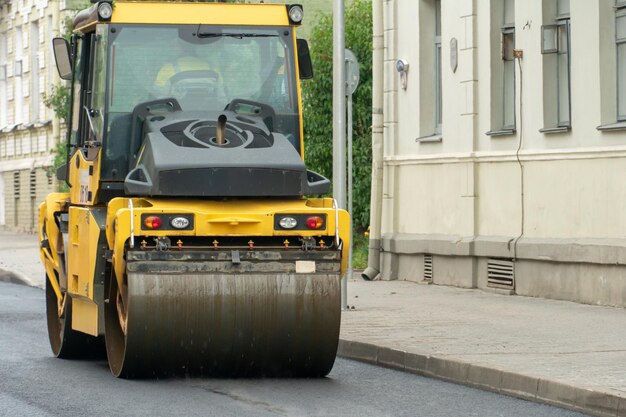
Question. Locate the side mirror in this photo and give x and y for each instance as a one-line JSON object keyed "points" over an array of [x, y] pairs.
{"points": [[62, 57], [62, 173], [304, 59]]}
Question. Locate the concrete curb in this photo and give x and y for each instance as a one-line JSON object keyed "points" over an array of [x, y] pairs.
{"points": [[15, 278], [526, 387]]}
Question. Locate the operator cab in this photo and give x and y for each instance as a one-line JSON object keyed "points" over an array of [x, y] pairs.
{"points": [[119, 67]]}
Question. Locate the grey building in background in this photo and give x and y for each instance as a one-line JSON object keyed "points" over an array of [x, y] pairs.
{"points": [[28, 130]]}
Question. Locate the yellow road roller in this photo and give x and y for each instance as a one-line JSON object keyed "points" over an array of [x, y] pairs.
{"points": [[193, 240]]}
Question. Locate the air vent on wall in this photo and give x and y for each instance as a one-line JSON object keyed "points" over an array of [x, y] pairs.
{"points": [[428, 267], [16, 184], [501, 273], [33, 184]]}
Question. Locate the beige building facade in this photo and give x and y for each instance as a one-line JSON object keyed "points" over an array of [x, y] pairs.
{"points": [[29, 130], [502, 151]]}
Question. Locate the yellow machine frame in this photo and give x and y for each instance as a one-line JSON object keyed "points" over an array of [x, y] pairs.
{"points": [[100, 233]]}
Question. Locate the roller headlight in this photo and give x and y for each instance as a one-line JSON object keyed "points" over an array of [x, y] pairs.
{"points": [[296, 13], [105, 11], [288, 222], [179, 222]]}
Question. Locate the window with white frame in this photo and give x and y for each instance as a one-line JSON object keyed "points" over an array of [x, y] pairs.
{"points": [[620, 40], [3, 81], [10, 143], [52, 74], [35, 99], [42, 142], [17, 79], [18, 145]]}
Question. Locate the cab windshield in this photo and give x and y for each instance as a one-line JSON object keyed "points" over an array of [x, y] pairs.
{"points": [[204, 68]]}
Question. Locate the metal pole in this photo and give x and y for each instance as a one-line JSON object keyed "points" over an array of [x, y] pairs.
{"points": [[339, 106], [339, 114], [350, 168], [344, 289]]}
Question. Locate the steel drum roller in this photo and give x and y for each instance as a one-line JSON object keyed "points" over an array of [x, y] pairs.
{"points": [[265, 324]]}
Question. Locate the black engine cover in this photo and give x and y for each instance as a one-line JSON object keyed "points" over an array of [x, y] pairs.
{"points": [[180, 156]]}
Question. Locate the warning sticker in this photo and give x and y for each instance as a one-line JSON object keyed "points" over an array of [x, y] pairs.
{"points": [[305, 267], [83, 182]]}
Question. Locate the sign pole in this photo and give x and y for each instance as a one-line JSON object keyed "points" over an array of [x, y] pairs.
{"points": [[339, 113], [351, 83]]}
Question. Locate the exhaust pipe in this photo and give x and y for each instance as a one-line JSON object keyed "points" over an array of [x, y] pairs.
{"points": [[219, 133]]}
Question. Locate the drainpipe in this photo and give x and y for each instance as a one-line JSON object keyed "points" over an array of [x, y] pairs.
{"points": [[373, 260]]}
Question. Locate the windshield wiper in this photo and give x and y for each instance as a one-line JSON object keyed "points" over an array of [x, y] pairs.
{"points": [[235, 35]]}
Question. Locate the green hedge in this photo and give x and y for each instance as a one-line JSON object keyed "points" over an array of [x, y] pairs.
{"points": [[318, 102]]}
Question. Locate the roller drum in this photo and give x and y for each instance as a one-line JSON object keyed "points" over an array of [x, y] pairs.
{"points": [[263, 324]]}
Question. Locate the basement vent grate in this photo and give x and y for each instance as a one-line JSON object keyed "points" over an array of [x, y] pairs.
{"points": [[501, 273], [16, 184], [33, 184], [428, 267]]}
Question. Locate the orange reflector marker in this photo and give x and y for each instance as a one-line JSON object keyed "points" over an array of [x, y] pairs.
{"points": [[314, 222], [152, 222]]}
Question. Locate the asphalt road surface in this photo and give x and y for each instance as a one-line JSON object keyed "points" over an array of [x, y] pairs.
{"points": [[33, 383]]}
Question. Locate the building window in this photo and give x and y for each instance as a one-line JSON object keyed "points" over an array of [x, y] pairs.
{"points": [[620, 40], [557, 66], [26, 144], [563, 64], [42, 142], [10, 146], [508, 81], [502, 67], [438, 89], [4, 105], [17, 80], [430, 69], [35, 99]]}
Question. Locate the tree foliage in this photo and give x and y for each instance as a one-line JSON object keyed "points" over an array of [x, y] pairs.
{"points": [[318, 102], [59, 98], [59, 101]]}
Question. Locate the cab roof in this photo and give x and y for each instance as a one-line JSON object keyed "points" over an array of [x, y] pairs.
{"points": [[188, 13]]}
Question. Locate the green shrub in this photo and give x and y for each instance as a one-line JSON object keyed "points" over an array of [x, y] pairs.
{"points": [[318, 102]]}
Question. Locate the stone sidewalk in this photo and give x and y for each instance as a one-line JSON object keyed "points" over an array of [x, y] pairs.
{"points": [[19, 259], [556, 352]]}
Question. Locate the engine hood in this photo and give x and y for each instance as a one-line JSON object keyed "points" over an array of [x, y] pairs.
{"points": [[180, 156]]}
